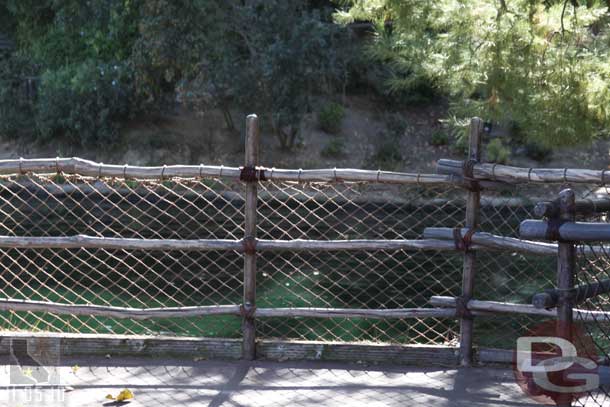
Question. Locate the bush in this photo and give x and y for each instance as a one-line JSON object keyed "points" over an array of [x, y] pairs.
{"points": [[387, 154], [537, 152], [330, 118], [84, 104], [439, 138], [334, 148], [497, 152], [396, 125]]}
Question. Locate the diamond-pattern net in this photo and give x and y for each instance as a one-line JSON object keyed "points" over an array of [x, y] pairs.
{"points": [[514, 277], [58, 205], [348, 279], [62, 205], [593, 266]]}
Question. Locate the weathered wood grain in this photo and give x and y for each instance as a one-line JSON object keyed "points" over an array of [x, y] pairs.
{"points": [[491, 241], [506, 173]]}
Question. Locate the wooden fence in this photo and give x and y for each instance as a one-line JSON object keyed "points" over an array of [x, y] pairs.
{"points": [[471, 176]]}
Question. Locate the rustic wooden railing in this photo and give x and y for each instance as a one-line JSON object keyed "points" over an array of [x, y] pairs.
{"points": [[471, 175]]}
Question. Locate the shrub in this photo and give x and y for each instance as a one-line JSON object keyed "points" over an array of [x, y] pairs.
{"points": [[538, 152], [84, 104], [396, 125], [439, 138], [497, 152], [334, 148], [387, 152], [330, 118]]}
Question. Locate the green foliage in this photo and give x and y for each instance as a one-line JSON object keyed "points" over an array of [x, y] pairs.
{"points": [[331, 117], [496, 152], [538, 152], [439, 138], [291, 54], [84, 104], [16, 111], [334, 148], [540, 65], [387, 153]]}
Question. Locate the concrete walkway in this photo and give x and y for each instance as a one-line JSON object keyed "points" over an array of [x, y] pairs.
{"points": [[165, 382]]}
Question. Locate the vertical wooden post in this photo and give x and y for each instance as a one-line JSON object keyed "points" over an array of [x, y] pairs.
{"points": [[566, 267], [473, 202], [249, 300]]}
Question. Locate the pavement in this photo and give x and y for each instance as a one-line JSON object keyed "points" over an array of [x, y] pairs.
{"points": [[170, 382]]}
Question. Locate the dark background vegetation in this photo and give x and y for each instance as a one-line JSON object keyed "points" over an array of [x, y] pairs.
{"points": [[92, 77]]}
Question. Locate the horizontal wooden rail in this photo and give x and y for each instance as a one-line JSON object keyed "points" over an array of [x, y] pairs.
{"points": [[550, 209], [183, 312], [96, 242], [116, 312], [550, 298], [355, 313], [488, 307], [89, 168], [569, 231], [494, 242], [492, 306], [506, 173]]}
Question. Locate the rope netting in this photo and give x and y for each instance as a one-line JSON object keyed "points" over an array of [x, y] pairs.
{"points": [[213, 208], [347, 279], [62, 205]]}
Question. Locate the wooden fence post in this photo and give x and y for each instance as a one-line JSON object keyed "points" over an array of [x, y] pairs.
{"points": [[249, 300], [566, 266], [473, 203]]}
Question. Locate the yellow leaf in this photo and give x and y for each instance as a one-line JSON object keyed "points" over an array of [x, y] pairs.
{"points": [[109, 396], [75, 368], [125, 394]]}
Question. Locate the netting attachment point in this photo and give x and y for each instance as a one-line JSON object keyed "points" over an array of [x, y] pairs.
{"points": [[247, 310], [249, 243], [20, 165], [250, 173], [163, 171], [463, 243], [461, 307]]}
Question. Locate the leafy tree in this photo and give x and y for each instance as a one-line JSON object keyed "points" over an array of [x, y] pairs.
{"points": [[276, 55], [541, 66]]}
